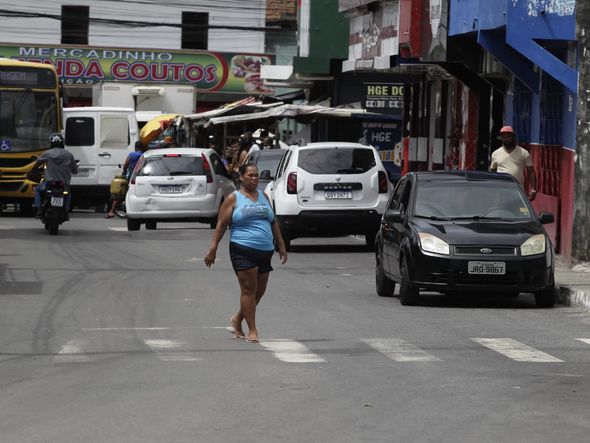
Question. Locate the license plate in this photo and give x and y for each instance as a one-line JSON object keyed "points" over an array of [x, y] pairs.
{"points": [[337, 194], [487, 267], [57, 201], [170, 189], [83, 173]]}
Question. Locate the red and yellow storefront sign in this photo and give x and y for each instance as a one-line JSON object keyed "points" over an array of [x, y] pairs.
{"points": [[208, 71]]}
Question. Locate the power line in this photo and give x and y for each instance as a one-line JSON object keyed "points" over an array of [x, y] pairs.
{"points": [[138, 23]]}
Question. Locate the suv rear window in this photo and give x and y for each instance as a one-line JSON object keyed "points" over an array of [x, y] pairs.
{"points": [[158, 166], [336, 160]]}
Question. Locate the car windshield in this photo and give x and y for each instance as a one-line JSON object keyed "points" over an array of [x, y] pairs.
{"points": [[268, 163], [456, 200], [337, 160], [180, 165]]}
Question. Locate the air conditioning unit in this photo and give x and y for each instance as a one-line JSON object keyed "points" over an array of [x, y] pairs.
{"points": [[147, 90]]}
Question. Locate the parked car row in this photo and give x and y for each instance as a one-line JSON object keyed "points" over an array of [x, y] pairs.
{"points": [[450, 232]]}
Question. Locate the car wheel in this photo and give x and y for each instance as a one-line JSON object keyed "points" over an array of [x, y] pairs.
{"points": [[546, 298], [287, 242], [514, 294], [385, 286], [213, 223], [151, 225], [133, 224], [408, 296]]}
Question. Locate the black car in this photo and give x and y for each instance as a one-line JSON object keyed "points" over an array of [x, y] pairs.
{"points": [[460, 231], [266, 161]]}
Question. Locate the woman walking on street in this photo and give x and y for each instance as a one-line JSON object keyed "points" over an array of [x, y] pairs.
{"points": [[253, 229]]}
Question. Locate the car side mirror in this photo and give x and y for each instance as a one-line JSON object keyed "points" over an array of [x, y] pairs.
{"points": [[393, 216], [546, 218], [265, 175]]}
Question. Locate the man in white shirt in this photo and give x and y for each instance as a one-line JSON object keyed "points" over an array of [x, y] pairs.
{"points": [[514, 160]]}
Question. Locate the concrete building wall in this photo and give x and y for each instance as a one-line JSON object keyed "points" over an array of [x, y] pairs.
{"points": [[230, 13]]}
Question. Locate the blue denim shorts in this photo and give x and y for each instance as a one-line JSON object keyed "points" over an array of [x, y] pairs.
{"points": [[244, 258]]}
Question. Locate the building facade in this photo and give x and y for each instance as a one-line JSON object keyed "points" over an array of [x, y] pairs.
{"points": [[466, 68], [213, 46]]}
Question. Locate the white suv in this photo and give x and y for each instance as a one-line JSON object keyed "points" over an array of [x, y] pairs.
{"points": [[330, 189]]}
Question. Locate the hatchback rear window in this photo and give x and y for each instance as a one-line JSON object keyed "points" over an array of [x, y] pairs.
{"points": [[336, 161], [158, 166]]}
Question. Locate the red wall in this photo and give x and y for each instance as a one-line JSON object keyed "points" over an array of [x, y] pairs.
{"points": [[554, 168]]}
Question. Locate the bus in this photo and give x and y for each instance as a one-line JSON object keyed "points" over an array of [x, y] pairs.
{"points": [[30, 111]]}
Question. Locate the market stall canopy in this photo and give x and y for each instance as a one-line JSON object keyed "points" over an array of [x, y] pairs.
{"points": [[301, 112], [240, 107], [155, 127]]}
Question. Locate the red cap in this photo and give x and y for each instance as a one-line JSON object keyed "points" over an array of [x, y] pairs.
{"points": [[507, 130]]}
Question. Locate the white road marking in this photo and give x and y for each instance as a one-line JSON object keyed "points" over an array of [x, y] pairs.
{"points": [[71, 352], [7, 227], [22, 275], [400, 350], [516, 351], [584, 340], [291, 351], [170, 350], [118, 229], [129, 329]]}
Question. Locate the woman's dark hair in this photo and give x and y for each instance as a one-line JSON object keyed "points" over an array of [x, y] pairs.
{"points": [[244, 167]]}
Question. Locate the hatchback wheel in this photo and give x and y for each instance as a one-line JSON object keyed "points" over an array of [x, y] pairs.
{"points": [[385, 286], [151, 225], [133, 224], [546, 298], [408, 296]]}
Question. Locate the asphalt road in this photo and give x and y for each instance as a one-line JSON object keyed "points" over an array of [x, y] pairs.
{"points": [[115, 336]]}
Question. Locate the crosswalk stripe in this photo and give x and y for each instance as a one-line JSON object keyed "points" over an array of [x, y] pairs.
{"points": [[516, 351], [71, 352], [584, 340], [399, 350], [170, 350], [291, 351], [118, 229]]}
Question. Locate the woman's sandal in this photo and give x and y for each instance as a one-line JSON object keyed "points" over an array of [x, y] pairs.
{"points": [[253, 340]]}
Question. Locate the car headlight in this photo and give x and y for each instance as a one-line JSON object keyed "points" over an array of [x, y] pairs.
{"points": [[533, 246], [431, 243]]}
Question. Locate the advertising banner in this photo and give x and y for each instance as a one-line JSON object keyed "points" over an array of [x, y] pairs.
{"points": [[385, 98], [208, 71], [386, 138]]}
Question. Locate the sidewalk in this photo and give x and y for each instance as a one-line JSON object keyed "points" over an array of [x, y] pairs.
{"points": [[572, 284]]}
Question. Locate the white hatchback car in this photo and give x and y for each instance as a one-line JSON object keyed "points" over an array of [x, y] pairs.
{"points": [[330, 189], [177, 184]]}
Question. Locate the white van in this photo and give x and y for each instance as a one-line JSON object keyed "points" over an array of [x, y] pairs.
{"points": [[100, 138]]}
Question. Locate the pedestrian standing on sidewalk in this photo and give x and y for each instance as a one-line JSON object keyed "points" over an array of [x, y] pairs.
{"points": [[254, 233], [514, 160]]}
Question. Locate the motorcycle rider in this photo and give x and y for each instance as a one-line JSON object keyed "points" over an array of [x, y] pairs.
{"points": [[60, 165]]}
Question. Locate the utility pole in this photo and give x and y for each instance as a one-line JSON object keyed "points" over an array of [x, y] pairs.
{"points": [[581, 232]]}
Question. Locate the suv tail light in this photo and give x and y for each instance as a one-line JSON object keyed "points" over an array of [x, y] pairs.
{"points": [[382, 182], [207, 169], [292, 183]]}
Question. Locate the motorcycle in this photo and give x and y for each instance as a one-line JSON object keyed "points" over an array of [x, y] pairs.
{"points": [[53, 207]]}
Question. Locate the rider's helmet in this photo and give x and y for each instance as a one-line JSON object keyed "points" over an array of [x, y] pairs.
{"points": [[56, 140]]}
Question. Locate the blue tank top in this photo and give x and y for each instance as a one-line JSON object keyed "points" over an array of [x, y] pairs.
{"points": [[251, 222]]}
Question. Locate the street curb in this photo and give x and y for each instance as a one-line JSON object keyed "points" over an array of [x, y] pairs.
{"points": [[575, 297]]}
